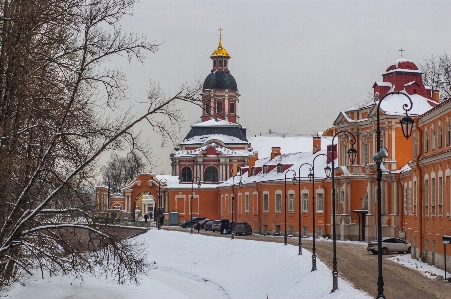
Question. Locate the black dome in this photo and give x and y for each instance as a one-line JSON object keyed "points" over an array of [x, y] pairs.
{"points": [[220, 80]]}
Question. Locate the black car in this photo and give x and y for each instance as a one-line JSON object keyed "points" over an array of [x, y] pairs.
{"points": [[189, 222], [243, 228], [209, 225]]}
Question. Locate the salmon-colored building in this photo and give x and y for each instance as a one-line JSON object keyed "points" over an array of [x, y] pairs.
{"points": [[220, 173]]}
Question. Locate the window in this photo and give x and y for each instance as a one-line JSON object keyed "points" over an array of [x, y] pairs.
{"points": [[265, 168], [219, 106], [277, 230], [414, 193], [290, 230], [319, 202], [279, 168], [246, 203], [344, 155], [265, 202], [214, 63], [433, 192], [186, 174], [220, 62], [365, 154], [426, 191], [426, 142], [305, 202], [232, 108], [207, 108], [211, 174], [440, 137], [433, 140], [342, 196], [305, 230], [278, 202], [291, 202], [404, 195], [440, 191], [225, 63], [320, 230], [448, 135]]}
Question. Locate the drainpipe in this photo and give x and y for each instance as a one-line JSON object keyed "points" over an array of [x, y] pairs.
{"points": [[400, 197], [419, 173], [260, 209], [323, 186]]}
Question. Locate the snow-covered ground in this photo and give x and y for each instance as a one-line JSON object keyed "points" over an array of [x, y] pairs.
{"points": [[425, 269], [199, 266]]}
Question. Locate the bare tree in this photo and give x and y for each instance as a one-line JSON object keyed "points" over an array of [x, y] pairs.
{"points": [[59, 112], [119, 171], [437, 74]]}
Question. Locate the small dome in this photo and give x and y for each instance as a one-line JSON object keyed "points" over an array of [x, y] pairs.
{"points": [[403, 64], [220, 80]]}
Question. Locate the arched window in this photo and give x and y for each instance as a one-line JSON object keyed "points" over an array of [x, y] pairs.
{"points": [[186, 174], [211, 174]]}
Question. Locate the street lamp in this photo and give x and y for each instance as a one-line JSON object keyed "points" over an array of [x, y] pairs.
{"points": [[163, 182], [352, 153], [406, 125], [285, 204], [312, 178], [300, 206], [191, 200], [233, 204]]}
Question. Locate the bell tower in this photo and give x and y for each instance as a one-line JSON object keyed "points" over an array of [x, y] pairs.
{"points": [[220, 92]]}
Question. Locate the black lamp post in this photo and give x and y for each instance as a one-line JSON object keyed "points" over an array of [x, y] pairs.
{"points": [[352, 153], [285, 204], [312, 178], [191, 200], [233, 205], [163, 182], [406, 125], [300, 206]]}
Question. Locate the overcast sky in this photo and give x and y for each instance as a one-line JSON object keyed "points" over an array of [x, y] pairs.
{"points": [[297, 64]]}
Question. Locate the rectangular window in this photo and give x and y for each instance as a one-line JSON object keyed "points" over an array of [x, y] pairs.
{"points": [[440, 191], [219, 106], [279, 168], [319, 202], [305, 230], [426, 193], [265, 202], [207, 108], [232, 108], [342, 196], [305, 202], [448, 135], [433, 192], [278, 202], [246, 204], [433, 140], [426, 142], [365, 154], [220, 62], [291, 202], [344, 155], [320, 230], [415, 193], [405, 197], [440, 137]]}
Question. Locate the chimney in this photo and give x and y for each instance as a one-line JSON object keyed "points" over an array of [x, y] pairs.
{"points": [[252, 159], [436, 96], [275, 151], [316, 143]]}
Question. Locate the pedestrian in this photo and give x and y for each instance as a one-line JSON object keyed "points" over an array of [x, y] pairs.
{"points": [[145, 217], [198, 227]]}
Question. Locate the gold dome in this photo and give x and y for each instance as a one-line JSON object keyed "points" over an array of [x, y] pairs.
{"points": [[220, 50]]}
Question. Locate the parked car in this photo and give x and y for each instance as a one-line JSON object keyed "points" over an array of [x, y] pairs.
{"points": [[203, 222], [243, 228], [208, 225], [389, 245], [216, 226], [189, 222]]}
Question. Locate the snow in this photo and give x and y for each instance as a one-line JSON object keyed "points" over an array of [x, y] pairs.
{"points": [[200, 266], [288, 144], [216, 123], [425, 269], [393, 104]]}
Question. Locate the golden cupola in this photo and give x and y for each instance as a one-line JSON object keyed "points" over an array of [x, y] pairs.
{"points": [[220, 51]]}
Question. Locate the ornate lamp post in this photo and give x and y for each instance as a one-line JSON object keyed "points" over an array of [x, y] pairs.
{"points": [[352, 153], [300, 206], [406, 125], [312, 178], [163, 182], [285, 205], [191, 200]]}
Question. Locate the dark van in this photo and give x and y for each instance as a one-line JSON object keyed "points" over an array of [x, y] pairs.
{"points": [[243, 228]]}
